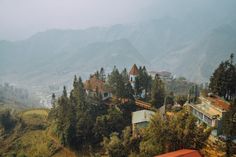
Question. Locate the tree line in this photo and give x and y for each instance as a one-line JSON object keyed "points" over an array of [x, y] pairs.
{"points": [[82, 121], [179, 131], [223, 80]]}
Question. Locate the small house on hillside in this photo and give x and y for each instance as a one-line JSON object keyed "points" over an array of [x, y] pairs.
{"points": [[140, 120], [96, 87], [164, 75]]}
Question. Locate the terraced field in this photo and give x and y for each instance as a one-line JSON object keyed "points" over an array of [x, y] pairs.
{"points": [[31, 138]]}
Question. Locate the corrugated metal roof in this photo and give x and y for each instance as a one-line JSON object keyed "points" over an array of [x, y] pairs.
{"points": [[142, 116]]}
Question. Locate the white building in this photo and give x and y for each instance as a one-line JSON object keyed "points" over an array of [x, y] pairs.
{"points": [[140, 120]]}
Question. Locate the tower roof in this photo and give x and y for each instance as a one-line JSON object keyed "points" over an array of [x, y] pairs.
{"points": [[134, 70]]}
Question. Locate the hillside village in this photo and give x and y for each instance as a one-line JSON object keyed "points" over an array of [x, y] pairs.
{"points": [[108, 78], [134, 113], [209, 109]]}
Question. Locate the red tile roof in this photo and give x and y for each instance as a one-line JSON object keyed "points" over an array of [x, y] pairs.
{"points": [[134, 70], [182, 153], [219, 103], [94, 84]]}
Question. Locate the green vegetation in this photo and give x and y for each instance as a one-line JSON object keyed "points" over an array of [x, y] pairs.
{"points": [[179, 86], [119, 84], [181, 99], [81, 121], [158, 92], [143, 82], [30, 136], [177, 132], [223, 80], [90, 127], [223, 83], [7, 121], [229, 125]]}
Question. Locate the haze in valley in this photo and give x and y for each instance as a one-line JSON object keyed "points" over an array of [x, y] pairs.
{"points": [[44, 43]]}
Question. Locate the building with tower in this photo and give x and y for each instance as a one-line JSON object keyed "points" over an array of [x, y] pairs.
{"points": [[134, 72]]}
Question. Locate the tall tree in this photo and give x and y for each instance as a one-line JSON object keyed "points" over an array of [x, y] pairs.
{"points": [[125, 75], [229, 125], [137, 87], [102, 75], [145, 80], [177, 132], [129, 92], [223, 80], [158, 92], [116, 83], [53, 101]]}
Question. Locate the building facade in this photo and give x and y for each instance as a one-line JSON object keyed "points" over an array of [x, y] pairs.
{"points": [[96, 87], [210, 111], [140, 120]]}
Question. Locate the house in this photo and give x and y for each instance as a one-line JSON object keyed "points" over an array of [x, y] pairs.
{"points": [[210, 111], [94, 87], [164, 75], [140, 120], [182, 153], [134, 72]]}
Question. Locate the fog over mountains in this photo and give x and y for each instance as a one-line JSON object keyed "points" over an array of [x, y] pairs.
{"points": [[189, 47]]}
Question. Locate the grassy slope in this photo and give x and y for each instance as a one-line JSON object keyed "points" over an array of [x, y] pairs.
{"points": [[34, 139]]}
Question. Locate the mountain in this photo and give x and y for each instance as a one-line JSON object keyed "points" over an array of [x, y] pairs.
{"points": [[35, 60], [53, 56], [198, 60]]}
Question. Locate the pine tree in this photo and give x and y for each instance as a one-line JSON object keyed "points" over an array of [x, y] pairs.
{"points": [[53, 101], [81, 97], [137, 87], [61, 121], [125, 76], [229, 125], [158, 92], [102, 75], [129, 92], [116, 83], [223, 80]]}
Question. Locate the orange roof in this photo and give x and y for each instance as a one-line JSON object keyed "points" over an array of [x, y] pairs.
{"points": [[94, 84], [134, 70], [182, 153], [219, 103], [143, 104]]}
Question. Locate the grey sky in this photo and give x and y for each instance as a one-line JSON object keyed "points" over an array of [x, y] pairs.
{"points": [[20, 19]]}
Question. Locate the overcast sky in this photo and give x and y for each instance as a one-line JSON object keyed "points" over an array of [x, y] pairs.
{"points": [[20, 19]]}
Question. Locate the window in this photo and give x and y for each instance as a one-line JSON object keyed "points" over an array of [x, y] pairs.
{"points": [[105, 94], [208, 120]]}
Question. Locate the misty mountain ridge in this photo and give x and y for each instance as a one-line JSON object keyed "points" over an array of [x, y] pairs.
{"points": [[163, 44]]}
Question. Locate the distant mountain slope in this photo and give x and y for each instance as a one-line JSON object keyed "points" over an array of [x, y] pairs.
{"points": [[198, 60], [37, 65], [163, 44]]}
